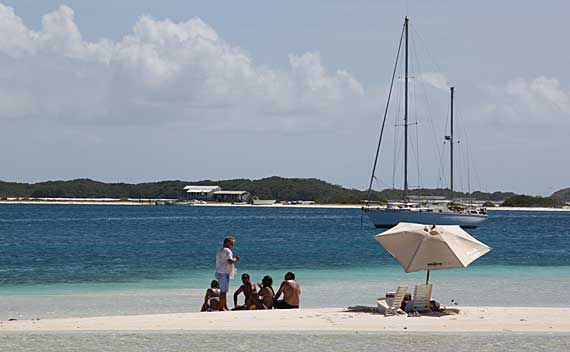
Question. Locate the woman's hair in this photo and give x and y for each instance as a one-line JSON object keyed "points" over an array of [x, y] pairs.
{"points": [[290, 276], [214, 284], [267, 281]]}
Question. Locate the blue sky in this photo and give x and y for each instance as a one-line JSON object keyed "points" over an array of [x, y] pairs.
{"points": [[141, 90]]}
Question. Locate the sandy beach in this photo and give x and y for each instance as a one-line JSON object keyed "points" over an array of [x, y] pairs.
{"points": [[470, 319]]}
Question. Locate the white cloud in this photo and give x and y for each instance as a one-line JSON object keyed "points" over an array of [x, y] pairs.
{"points": [[540, 94], [161, 70], [434, 79], [522, 103], [15, 37]]}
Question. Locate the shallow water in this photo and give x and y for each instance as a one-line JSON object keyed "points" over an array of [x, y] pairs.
{"points": [[484, 286], [102, 342], [82, 260]]}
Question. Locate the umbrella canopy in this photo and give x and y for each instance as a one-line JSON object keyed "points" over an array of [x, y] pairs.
{"points": [[429, 247]]}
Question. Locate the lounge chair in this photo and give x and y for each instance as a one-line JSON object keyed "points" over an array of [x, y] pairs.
{"points": [[395, 307], [422, 298]]}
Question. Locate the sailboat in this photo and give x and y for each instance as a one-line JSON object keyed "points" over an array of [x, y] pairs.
{"points": [[419, 209]]}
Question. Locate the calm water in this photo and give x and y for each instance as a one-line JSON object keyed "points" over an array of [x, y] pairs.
{"points": [[60, 260], [126, 342]]}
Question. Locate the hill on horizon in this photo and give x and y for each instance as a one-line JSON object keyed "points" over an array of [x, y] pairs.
{"points": [[274, 187], [562, 195]]}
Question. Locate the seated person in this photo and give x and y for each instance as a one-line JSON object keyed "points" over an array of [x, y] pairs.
{"points": [[264, 298], [212, 298], [248, 290], [291, 291]]}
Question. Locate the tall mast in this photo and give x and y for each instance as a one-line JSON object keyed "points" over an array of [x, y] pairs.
{"points": [[385, 115], [452, 89], [405, 195]]}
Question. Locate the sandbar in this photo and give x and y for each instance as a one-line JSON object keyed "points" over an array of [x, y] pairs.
{"points": [[470, 319]]}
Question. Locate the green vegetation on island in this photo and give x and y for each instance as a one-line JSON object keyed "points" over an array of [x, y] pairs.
{"points": [[278, 188], [532, 201], [562, 196]]}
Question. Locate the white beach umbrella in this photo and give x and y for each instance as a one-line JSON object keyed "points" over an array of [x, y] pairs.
{"points": [[431, 247]]}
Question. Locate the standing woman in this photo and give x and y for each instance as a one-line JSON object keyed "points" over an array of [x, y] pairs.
{"points": [[225, 269]]}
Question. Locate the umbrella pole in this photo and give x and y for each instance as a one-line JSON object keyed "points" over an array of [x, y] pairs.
{"points": [[427, 278]]}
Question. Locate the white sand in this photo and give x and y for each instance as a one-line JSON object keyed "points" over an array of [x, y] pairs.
{"points": [[530, 209], [113, 201], [471, 319]]}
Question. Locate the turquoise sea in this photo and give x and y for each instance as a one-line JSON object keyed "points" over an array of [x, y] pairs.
{"points": [[88, 260], [62, 260]]}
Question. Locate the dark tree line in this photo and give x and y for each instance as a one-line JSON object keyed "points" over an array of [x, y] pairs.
{"points": [[278, 188]]}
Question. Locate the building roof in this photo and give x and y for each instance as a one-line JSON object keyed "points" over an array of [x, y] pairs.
{"points": [[230, 192], [201, 189]]}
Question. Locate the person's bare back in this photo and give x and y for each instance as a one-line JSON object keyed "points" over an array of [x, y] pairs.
{"points": [[291, 291], [265, 298]]}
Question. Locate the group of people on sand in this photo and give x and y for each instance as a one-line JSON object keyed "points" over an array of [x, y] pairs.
{"points": [[261, 297]]}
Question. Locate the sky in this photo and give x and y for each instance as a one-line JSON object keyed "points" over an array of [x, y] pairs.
{"points": [[141, 90]]}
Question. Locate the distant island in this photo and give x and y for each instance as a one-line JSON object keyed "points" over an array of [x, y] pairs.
{"points": [[278, 188]]}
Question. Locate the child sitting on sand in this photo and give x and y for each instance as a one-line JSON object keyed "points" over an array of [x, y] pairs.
{"points": [[212, 298], [248, 290]]}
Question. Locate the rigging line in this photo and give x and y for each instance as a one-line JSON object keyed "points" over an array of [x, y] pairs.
{"points": [[442, 172], [467, 162], [397, 141], [459, 153], [422, 41], [395, 160], [385, 113], [465, 155], [458, 176], [471, 163], [415, 112], [444, 158], [462, 151], [379, 182], [429, 113]]}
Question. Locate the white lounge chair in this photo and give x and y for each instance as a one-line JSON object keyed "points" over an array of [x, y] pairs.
{"points": [[421, 299], [395, 306]]}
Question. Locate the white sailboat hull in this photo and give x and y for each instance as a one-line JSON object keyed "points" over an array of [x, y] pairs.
{"points": [[385, 218]]}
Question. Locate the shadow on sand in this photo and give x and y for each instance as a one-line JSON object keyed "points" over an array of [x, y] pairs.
{"points": [[380, 310]]}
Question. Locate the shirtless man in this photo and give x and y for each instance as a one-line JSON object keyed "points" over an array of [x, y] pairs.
{"points": [[264, 298], [248, 290], [291, 291], [212, 298]]}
